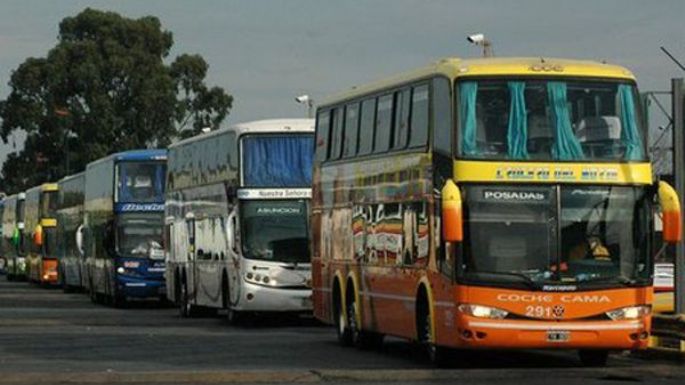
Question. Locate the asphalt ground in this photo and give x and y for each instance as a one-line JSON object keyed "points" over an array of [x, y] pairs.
{"points": [[49, 337]]}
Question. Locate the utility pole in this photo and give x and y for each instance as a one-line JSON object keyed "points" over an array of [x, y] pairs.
{"points": [[677, 87]]}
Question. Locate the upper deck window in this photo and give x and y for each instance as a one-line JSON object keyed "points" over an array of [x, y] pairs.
{"points": [[277, 160], [141, 182], [550, 120]]}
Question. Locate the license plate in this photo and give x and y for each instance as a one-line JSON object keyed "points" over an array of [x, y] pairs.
{"points": [[558, 336]]}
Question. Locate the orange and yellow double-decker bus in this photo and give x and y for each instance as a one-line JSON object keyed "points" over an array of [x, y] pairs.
{"points": [[488, 203], [40, 233]]}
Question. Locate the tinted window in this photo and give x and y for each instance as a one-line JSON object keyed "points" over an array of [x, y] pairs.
{"points": [[383, 124], [366, 126], [402, 108], [336, 134], [323, 125], [442, 118], [351, 130], [141, 181], [418, 134]]}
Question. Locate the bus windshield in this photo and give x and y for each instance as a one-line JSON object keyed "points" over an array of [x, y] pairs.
{"points": [[140, 235], [580, 235], [277, 160], [141, 182], [553, 119], [275, 230]]}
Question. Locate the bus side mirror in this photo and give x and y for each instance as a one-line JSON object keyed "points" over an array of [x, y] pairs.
{"points": [[670, 209], [79, 240], [231, 230], [38, 236], [452, 229]]}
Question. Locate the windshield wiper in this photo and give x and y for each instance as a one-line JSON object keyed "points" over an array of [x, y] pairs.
{"points": [[521, 277]]}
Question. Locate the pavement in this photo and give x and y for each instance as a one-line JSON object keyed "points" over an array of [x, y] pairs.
{"points": [[48, 337]]}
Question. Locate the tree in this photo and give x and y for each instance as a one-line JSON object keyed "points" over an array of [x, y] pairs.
{"points": [[103, 88]]}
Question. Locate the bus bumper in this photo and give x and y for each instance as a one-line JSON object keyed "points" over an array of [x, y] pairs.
{"points": [[140, 287], [619, 335], [269, 299]]}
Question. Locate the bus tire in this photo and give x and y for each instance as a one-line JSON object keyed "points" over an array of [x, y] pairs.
{"points": [[235, 317], [186, 309], [118, 299], [593, 357], [437, 355], [91, 292], [342, 331]]}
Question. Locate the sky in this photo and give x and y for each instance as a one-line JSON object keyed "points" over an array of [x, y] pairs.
{"points": [[266, 52]]}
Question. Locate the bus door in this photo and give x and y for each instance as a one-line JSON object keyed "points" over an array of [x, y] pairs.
{"points": [[207, 260], [233, 255], [190, 270]]}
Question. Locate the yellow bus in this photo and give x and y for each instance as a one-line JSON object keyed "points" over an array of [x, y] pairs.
{"points": [[488, 203], [41, 239]]}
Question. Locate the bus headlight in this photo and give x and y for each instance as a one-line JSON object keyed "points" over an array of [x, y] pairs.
{"points": [[260, 279], [629, 313], [121, 270], [481, 311]]}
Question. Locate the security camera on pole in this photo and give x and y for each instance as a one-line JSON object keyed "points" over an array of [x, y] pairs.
{"points": [[306, 100], [479, 39]]}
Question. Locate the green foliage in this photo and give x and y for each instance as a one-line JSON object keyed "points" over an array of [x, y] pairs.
{"points": [[103, 88]]}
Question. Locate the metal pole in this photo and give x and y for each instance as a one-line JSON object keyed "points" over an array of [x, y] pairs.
{"points": [[679, 174]]}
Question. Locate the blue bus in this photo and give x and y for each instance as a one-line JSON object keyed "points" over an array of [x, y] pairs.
{"points": [[123, 223]]}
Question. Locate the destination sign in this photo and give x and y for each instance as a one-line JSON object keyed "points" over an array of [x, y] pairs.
{"points": [[275, 193]]}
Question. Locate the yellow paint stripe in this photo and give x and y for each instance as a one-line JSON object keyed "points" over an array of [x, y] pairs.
{"points": [[545, 172], [48, 187]]}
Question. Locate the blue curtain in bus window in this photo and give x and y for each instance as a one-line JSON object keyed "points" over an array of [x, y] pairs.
{"points": [[467, 111], [629, 133], [517, 131], [275, 161], [566, 145]]}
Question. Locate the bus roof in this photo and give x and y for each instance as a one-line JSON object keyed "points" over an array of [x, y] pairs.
{"points": [[133, 155], [257, 126], [72, 176], [512, 66]]}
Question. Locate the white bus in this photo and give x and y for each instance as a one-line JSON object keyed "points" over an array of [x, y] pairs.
{"points": [[236, 219]]}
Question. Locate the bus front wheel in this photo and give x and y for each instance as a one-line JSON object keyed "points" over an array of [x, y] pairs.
{"points": [[438, 355], [186, 309]]}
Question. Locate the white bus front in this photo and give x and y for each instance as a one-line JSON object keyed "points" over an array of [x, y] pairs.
{"points": [[275, 269]]}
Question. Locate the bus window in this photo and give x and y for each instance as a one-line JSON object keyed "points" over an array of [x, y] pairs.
{"points": [[351, 130], [336, 134], [366, 126], [442, 118], [401, 123], [323, 125], [418, 134], [383, 124]]}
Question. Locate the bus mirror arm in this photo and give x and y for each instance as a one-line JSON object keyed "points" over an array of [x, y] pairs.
{"points": [[671, 213], [452, 226]]}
